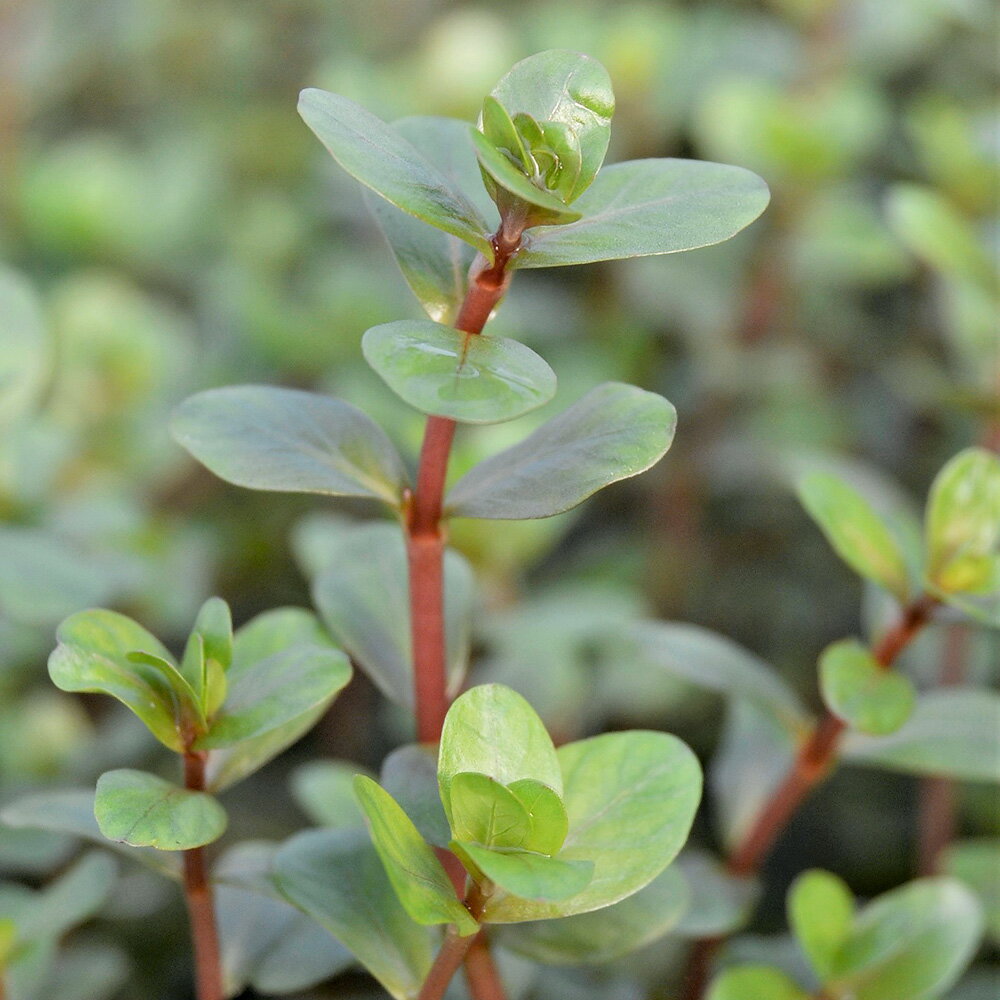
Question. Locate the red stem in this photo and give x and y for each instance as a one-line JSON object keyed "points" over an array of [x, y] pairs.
{"points": [[198, 894]]}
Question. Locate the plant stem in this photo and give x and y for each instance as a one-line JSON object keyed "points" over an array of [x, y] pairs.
{"points": [[425, 540], [200, 904], [481, 973], [814, 760]]}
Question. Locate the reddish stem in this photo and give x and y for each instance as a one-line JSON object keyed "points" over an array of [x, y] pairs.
{"points": [[198, 894], [481, 973]]}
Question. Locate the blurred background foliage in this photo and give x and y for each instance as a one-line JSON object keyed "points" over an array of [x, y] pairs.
{"points": [[167, 223]]}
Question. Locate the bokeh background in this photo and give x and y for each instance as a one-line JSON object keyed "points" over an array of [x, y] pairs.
{"points": [[167, 223]]}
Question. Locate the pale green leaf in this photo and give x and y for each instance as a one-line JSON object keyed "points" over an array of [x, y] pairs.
{"points": [[324, 791], [821, 913], [526, 875], [614, 432], [549, 822], [471, 378], [976, 862], [754, 982], [487, 813]]}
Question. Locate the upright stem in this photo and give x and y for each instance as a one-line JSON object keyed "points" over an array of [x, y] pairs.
{"points": [[198, 893], [812, 763]]}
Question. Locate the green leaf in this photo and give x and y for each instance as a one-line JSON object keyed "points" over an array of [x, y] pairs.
{"points": [[719, 903], [867, 696], [24, 358], [72, 811], [524, 874], [913, 942], [549, 822], [821, 913], [409, 775], [208, 653], [145, 811], [92, 655], [381, 159], [337, 878], [283, 638], [976, 862], [418, 877], [363, 598], [951, 734], [563, 86], [289, 441], [434, 263], [963, 522], [717, 663], [492, 730], [607, 934], [485, 812], [754, 982], [857, 533], [631, 798], [471, 378], [647, 207], [324, 791], [616, 431]]}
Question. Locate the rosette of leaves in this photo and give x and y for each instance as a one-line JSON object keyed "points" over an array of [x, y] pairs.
{"points": [[234, 700]]}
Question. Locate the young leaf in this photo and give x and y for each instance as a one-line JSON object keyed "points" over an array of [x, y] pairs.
{"points": [[145, 811], [963, 522], [364, 600], [821, 913], [631, 798], [754, 982], [866, 696], [373, 153], [951, 734], [485, 812], [92, 655], [492, 730], [208, 654], [858, 535], [526, 875], [289, 441], [549, 822], [471, 378], [616, 431], [567, 87], [420, 881], [647, 207], [607, 934], [324, 791], [337, 878]]}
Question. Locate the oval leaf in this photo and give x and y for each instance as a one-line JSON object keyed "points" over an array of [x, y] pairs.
{"points": [[139, 809], [754, 982], [616, 431], [647, 207], [373, 153], [526, 875], [821, 913], [549, 822], [485, 812], [289, 441], [470, 378]]}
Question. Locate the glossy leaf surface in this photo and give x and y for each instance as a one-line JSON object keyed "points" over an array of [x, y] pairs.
{"points": [[614, 432], [474, 379], [145, 811], [290, 441], [526, 875], [485, 812], [647, 207]]}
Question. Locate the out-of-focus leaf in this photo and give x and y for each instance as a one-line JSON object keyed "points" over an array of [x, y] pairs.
{"points": [[324, 791], [976, 862], [409, 775], [23, 353], [754, 982], [821, 912], [526, 875], [719, 903]]}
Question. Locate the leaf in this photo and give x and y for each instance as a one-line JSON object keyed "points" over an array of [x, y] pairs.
{"points": [[647, 207], [265, 941], [289, 441], [526, 875], [821, 913], [951, 734], [614, 432], [719, 903], [963, 522], [867, 696], [434, 263], [492, 730], [559, 85], [381, 159], [858, 535], [976, 862], [72, 811], [282, 638], [913, 942], [549, 822], [337, 878], [24, 358], [420, 881], [471, 378], [485, 812], [409, 775], [92, 655], [324, 791], [364, 600], [719, 664], [631, 798], [754, 982], [603, 935], [137, 808], [208, 653]]}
